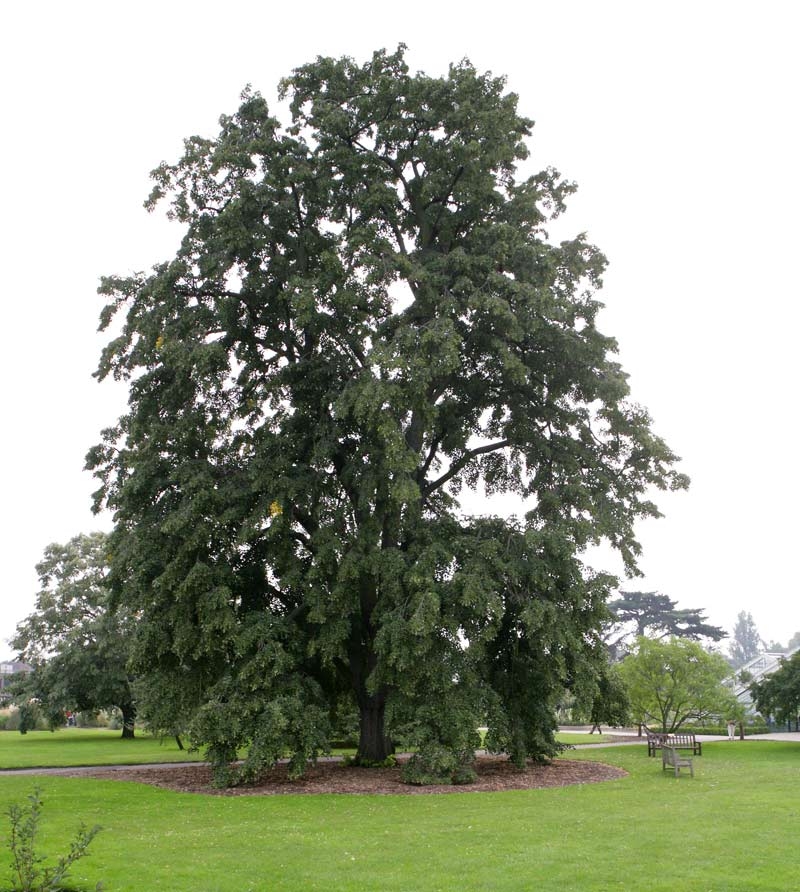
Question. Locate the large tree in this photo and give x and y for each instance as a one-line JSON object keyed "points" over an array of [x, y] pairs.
{"points": [[77, 649], [364, 321], [634, 614], [673, 681]]}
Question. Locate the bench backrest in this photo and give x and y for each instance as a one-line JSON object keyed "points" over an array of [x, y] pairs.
{"points": [[671, 756]]}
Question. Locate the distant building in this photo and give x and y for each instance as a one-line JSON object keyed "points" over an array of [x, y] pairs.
{"points": [[757, 669], [7, 671]]}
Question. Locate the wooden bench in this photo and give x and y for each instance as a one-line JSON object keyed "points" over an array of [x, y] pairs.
{"points": [[685, 742], [655, 741], [671, 758]]}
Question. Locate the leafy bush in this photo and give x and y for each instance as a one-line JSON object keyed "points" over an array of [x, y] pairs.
{"points": [[437, 764], [28, 874], [758, 726], [464, 774]]}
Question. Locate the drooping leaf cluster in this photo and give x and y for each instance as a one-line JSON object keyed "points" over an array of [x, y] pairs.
{"points": [[365, 320]]}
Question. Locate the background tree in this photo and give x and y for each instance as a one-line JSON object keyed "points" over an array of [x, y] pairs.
{"points": [[775, 647], [611, 704], [635, 614], [778, 694], [365, 318], [673, 681], [746, 642], [794, 642], [77, 649]]}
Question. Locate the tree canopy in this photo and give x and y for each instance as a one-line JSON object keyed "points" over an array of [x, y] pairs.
{"points": [[673, 681], [365, 320], [77, 649], [657, 616]]}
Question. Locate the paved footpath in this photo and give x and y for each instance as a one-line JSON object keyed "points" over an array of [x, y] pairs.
{"points": [[632, 736]]}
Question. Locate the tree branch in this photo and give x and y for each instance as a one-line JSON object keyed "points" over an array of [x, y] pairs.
{"points": [[462, 462]]}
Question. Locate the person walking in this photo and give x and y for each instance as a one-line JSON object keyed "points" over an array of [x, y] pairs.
{"points": [[731, 729]]}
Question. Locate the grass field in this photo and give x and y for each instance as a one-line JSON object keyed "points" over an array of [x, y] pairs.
{"points": [[97, 746], [85, 746], [734, 827], [577, 737]]}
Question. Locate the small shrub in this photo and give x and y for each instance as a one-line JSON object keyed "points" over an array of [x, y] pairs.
{"points": [[464, 774], [433, 764], [28, 874]]}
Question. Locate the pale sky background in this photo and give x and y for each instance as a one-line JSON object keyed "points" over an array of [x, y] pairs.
{"points": [[679, 122]]}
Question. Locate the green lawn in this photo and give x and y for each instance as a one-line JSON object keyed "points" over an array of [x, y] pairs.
{"points": [[732, 828], [577, 737], [97, 746], [84, 746]]}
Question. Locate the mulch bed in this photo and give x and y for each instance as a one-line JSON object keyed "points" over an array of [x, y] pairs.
{"points": [[494, 774]]}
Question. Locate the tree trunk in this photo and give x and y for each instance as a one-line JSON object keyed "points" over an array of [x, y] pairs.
{"points": [[373, 744], [128, 720]]}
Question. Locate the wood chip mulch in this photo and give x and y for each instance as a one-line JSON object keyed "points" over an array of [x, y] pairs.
{"points": [[494, 774]]}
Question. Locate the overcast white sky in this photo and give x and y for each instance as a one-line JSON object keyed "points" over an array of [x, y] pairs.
{"points": [[679, 121]]}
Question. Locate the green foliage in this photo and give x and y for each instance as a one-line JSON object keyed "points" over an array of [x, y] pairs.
{"points": [[778, 694], [674, 681], [364, 320], [656, 616], [611, 704], [750, 724], [746, 642], [463, 775], [166, 701], [28, 872], [434, 764], [28, 716], [77, 647]]}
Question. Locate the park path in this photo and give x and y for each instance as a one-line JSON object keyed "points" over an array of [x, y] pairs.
{"points": [[631, 736]]}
